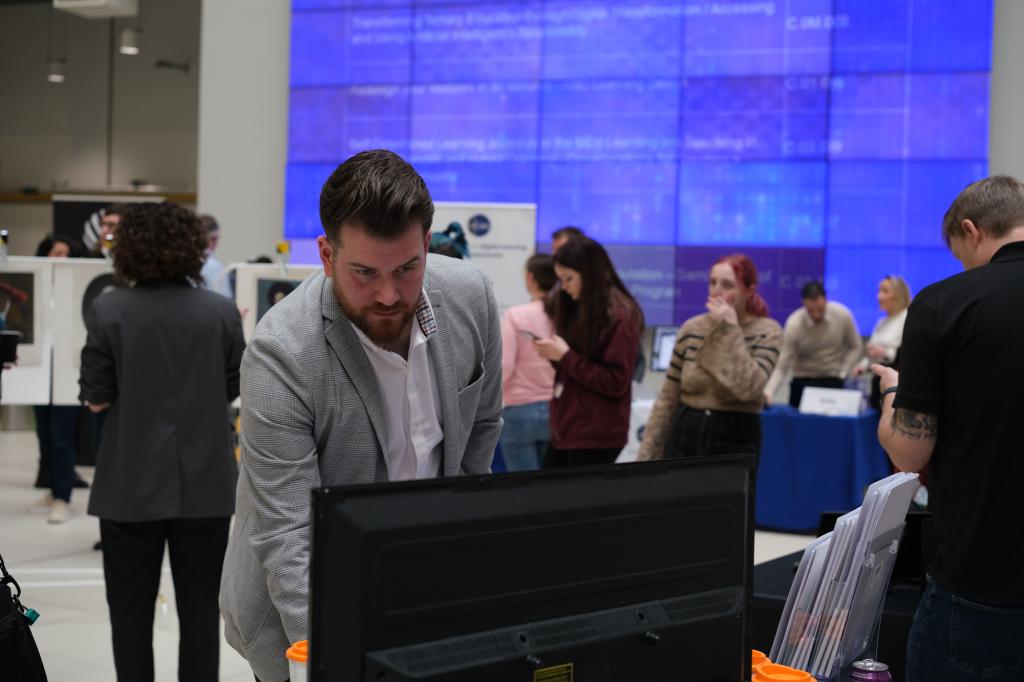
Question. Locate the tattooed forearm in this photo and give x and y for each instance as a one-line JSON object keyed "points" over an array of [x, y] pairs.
{"points": [[915, 425]]}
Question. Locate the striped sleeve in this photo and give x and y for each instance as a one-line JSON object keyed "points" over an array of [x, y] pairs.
{"points": [[656, 431], [764, 352], [741, 362]]}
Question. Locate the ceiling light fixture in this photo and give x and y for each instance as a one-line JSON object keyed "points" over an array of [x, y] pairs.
{"points": [[55, 70], [129, 41], [54, 65]]}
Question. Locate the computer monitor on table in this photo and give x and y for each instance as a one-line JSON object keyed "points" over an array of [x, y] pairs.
{"points": [[596, 574], [663, 344]]}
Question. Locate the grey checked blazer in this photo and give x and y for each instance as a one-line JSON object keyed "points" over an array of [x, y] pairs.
{"points": [[312, 416]]}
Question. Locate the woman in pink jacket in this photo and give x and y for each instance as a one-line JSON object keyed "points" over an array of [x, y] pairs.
{"points": [[527, 378]]}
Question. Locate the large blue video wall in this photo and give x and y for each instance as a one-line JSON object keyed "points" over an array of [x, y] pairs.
{"points": [[825, 138]]}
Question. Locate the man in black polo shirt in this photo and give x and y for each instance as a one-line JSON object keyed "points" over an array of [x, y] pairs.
{"points": [[960, 407]]}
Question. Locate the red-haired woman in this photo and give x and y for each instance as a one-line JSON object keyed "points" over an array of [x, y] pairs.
{"points": [[711, 401]]}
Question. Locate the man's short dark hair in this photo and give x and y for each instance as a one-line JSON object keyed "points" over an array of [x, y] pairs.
{"points": [[569, 232], [812, 291], [995, 205], [210, 225], [378, 191], [117, 209]]}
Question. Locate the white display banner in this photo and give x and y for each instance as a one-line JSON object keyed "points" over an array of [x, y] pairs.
{"points": [[77, 283], [26, 306], [259, 286], [500, 237]]}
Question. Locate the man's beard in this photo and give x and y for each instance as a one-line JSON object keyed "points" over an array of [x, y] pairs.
{"points": [[383, 331]]}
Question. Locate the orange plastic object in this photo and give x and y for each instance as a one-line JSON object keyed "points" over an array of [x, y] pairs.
{"points": [[299, 652], [757, 658], [773, 672]]}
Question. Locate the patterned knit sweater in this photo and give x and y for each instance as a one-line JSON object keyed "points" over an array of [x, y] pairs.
{"points": [[716, 366]]}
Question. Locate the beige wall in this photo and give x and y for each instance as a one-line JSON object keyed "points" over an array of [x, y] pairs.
{"points": [[51, 135], [55, 137]]}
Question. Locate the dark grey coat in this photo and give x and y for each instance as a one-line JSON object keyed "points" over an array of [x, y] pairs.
{"points": [[166, 358]]}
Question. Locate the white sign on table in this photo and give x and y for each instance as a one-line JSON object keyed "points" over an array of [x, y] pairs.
{"points": [[831, 402]]}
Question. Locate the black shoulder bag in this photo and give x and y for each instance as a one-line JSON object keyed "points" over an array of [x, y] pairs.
{"points": [[19, 657]]}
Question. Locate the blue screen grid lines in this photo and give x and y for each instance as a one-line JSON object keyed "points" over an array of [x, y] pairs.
{"points": [[667, 130]]}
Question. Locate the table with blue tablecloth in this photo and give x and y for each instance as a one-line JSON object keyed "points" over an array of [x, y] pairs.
{"points": [[811, 463]]}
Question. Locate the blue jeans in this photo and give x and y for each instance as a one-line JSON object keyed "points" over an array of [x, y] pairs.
{"points": [[955, 639], [525, 435], [58, 450]]}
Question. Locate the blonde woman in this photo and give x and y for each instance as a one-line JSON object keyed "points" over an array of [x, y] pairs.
{"points": [[893, 300], [885, 340]]}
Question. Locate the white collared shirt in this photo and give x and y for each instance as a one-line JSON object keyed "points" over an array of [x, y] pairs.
{"points": [[413, 442]]}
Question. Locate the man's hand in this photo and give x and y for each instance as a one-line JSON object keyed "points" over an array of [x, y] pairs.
{"points": [[767, 398], [96, 409], [720, 310], [552, 349], [887, 376]]}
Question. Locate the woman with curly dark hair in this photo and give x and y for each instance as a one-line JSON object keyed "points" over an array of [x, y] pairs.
{"points": [[162, 356]]}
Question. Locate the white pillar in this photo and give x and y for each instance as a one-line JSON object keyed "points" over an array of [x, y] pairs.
{"points": [[1005, 136], [243, 122]]}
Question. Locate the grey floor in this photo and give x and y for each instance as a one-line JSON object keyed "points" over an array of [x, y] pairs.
{"points": [[62, 577]]}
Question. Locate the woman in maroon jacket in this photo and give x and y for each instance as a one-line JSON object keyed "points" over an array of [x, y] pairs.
{"points": [[598, 326]]}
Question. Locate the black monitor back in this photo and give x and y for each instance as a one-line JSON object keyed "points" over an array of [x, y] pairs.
{"points": [[628, 572]]}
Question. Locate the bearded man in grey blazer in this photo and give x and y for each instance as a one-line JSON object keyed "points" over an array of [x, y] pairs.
{"points": [[385, 366]]}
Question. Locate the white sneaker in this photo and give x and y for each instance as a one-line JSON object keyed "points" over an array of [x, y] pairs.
{"points": [[42, 504], [59, 512]]}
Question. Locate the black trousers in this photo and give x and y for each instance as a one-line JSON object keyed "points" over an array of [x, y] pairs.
{"points": [[797, 386], [705, 433], [56, 431], [574, 458], [132, 558]]}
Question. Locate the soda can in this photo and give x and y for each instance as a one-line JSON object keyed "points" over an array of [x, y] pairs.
{"points": [[869, 670]]}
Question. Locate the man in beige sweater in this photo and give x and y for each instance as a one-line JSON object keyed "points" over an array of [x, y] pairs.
{"points": [[820, 346]]}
